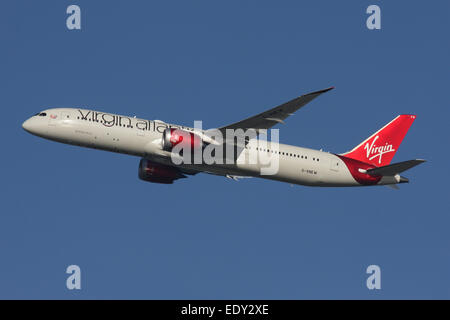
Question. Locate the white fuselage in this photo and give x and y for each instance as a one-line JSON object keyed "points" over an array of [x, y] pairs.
{"points": [[142, 138]]}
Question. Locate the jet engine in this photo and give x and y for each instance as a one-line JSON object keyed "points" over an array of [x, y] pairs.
{"points": [[172, 137], [158, 173]]}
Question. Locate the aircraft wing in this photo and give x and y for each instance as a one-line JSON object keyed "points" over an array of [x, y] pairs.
{"points": [[269, 118]]}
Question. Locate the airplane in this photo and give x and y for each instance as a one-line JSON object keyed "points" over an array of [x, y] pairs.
{"points": [[154, 141]]}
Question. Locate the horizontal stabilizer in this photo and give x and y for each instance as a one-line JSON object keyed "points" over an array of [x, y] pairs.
{"points": [[395, 168], [393, 186]]}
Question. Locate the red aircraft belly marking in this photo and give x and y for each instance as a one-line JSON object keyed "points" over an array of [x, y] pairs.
{"points": [[362, 178]]}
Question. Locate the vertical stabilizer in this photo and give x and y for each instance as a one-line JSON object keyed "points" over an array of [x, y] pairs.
{"points": [[380, 148]]}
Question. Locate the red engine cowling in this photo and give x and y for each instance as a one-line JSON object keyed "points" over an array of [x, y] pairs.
{"points": [[158, 173], [172, 137]]}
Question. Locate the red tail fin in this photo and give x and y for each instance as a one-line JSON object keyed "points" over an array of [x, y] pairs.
{"points": [[380, 148]]}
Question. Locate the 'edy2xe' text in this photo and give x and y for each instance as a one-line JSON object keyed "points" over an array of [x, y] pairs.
{"points": [[230, 309]]}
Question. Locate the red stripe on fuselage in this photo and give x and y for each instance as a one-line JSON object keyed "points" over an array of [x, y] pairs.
{"points": [[362, 178]]}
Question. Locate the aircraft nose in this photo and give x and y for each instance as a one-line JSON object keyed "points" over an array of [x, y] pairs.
{"points": [[27, 125]]}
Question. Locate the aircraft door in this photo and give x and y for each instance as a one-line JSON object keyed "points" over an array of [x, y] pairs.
{"points": [[334, 164], [65, 117], [140, 131]]}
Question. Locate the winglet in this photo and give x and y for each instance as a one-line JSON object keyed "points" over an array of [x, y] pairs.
{"points": [[271, 117], [320, 91]]}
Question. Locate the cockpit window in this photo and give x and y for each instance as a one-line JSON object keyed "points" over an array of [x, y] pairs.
{"points": [[42, 114]]}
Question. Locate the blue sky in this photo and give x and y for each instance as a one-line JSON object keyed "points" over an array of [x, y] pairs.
{"points": [[207, 236]]}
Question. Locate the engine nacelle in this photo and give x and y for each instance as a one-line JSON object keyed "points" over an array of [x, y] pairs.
{"points": [[158, 173], [172, 137]]}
